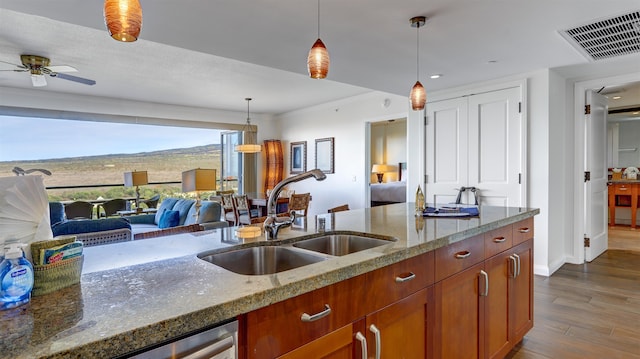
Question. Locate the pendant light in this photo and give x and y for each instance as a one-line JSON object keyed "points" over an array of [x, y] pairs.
{"points": [[249, 137], [318, 59], [123, 19], [418, 96]]}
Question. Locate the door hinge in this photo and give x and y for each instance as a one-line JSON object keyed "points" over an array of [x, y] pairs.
{"points": [[519, 107], [587, 241], [587, 109], [426, 122], [519, 178], [587, 176], [426, 178]]}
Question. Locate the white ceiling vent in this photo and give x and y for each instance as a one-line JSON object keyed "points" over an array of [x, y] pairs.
{"points": [[607, 38]]}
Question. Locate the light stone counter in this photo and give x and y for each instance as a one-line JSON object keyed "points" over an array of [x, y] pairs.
{"points": [[136, 294]]}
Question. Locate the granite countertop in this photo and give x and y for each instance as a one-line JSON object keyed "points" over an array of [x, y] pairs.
{"points": [[624, 180], [136, 294]]}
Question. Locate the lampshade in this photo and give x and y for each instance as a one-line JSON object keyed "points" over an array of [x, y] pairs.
{"points": [[318, 60], [273, 163], [418, 95], [123, 19], [249, 137], [199, 179], [381, 168], [135, 178]]}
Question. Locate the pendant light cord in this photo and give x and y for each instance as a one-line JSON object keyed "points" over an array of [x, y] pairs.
{"points": [[418, 52], [318, 19]]}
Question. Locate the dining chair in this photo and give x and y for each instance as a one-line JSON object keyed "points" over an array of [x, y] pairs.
{"points": [[78, 209], [299, 203], [228, 208], [244, 213], [151, 202], [112, 206], [344, 207]]}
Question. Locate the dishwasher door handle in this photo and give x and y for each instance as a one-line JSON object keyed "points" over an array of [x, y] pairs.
{"points": [[212, 351]]}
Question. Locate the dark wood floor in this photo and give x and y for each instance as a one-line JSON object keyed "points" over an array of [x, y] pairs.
{"points": [[590, 310]]}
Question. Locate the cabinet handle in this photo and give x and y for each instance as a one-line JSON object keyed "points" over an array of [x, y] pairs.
{"points": [[486, 283], [405, 279], [363, 344], [376, 332], [524, 230], [310, 318], [462, 255], [499, 239], [514, 267], [518, 262]]}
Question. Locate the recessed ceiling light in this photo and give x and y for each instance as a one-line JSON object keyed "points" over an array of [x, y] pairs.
{"points": [[436, 76], [492, 61], [617, 97]]}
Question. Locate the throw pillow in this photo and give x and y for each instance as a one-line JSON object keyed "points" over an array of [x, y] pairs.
{"points": [[169, 219]]}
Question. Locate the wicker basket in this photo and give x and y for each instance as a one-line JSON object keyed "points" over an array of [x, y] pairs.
{"points": [[51, 277]]}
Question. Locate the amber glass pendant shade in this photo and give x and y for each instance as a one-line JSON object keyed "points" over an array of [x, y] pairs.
{"points": [[123, 19], [318, 60], [418, 97]]}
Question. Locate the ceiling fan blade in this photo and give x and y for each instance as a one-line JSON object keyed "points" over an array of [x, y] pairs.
{"points": [[38, 80], [74, 78], [61, 68]]}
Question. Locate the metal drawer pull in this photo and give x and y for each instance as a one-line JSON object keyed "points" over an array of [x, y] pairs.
{"points": [[524, 230], [518, 261], [486, 283], [463, 255], [514, 267], [363, 344], [310, 318], [376, 332], [499, 239], [405, 279]]}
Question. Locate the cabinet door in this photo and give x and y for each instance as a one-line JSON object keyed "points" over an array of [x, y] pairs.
{"points": [[338, 344], [501, 269], [521, 316], [400, 330], [458, 314]]}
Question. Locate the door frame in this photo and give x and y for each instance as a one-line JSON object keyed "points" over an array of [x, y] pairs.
{"points": [[580, 101]]}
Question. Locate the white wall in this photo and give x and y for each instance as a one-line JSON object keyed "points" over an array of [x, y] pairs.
{"points": [[345, 121]]}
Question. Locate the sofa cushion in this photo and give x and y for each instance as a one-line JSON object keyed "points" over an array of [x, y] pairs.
{"points": [[183, 206], [56, 212], [166, 204], [88, 226], [209, 212], [169, 219]]}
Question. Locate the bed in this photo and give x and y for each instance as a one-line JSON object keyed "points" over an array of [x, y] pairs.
{"points": [[390, 192]]}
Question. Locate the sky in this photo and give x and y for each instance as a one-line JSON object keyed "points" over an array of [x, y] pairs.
{"points": [[24, 138]]}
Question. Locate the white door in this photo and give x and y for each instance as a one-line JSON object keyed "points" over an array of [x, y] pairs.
{"points": [[595, 214], [495, 147], [475, 141], [446, 149]]}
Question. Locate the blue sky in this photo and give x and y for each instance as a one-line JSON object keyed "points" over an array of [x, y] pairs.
{"points": [[23, 138]]}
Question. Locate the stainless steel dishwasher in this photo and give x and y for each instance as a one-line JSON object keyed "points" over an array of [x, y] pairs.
{"points": [[219, 342]]}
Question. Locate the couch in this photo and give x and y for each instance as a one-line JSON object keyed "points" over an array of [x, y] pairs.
{"points": [[210, 217], [91, 232]]}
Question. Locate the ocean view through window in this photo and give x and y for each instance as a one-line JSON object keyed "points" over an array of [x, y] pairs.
{"points": [[88, 159]]}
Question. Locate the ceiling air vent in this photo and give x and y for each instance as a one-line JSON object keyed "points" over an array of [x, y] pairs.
{"points": [[607, 38]]}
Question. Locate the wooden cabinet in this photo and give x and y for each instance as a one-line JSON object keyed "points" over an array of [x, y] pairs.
{"points": [[623, 195], [339, 344]]}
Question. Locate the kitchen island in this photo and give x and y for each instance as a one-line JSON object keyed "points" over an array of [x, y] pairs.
{"points": [[137, 294]]}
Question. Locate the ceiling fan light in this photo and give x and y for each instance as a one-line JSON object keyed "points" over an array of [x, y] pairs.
{"points": [[318, 60], [418, 96], [123, 19]]}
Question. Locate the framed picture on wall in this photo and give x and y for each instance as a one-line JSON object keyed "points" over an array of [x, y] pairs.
{"points": [[324, 154], [298, 156]]}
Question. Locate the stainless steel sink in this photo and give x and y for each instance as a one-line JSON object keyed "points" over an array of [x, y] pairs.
{"points": [[260, 260], [340, 244]]}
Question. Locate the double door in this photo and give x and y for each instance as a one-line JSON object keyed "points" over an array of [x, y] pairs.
{"points": [[476, 141]]}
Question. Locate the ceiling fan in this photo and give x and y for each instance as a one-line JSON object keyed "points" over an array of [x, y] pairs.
{"points": [[39, 67]]}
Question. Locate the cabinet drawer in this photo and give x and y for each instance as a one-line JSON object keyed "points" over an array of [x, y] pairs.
{"points": [[522, 231], [621, 189], [458, 256], [391, 283], [279, 328], [497, 241]]}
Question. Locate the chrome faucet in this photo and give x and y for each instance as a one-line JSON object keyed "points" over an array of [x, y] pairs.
{"points": [[273, 223]]}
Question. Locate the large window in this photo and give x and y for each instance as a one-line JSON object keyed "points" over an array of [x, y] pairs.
{"points": [[93, 156]]}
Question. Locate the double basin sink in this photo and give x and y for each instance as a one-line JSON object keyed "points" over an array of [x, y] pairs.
{"points": [[270, 259]]}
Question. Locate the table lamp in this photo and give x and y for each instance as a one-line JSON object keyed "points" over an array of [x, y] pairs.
{"points": [[198, 180], [136, 178], [380, 169]]}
